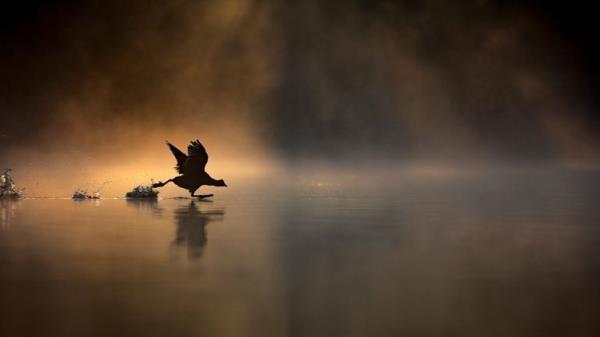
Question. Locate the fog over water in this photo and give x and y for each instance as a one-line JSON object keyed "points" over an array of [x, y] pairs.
{"points": [[92, 89], [415, 168]]}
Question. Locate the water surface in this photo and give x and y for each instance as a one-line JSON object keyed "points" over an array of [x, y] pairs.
{"points": [[461, 256]]}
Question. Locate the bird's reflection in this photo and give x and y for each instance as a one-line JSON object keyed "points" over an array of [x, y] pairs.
{"points": [[191, 228]]}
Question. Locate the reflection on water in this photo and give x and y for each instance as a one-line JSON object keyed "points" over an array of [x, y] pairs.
{"points": [[191, 228], [509, 256], [144, 204], [7, 210]]}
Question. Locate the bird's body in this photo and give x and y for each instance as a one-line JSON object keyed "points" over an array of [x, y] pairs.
{"points": [[193, 182], [192, 169]]}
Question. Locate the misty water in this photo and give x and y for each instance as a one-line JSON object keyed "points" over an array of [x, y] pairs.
{"points": [[512, 255]]}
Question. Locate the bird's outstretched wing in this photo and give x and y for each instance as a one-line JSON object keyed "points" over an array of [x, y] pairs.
{"points": [[196, 158], [180, 156]]}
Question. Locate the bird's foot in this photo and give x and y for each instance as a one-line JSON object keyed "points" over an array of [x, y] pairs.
{"points": [[202, 196]]}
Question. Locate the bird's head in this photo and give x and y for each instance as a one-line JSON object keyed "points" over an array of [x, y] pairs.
{"points": [[221, 182]]}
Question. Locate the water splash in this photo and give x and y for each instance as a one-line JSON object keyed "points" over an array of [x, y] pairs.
{"points": [[8, 189], [141, 191]]}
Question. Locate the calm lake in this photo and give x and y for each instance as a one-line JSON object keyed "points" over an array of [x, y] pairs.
{"points": [[513, 255]]}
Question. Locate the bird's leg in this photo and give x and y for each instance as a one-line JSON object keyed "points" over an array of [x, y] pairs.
{"points": [[161, 184]]}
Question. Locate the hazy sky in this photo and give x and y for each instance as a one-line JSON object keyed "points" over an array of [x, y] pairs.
{"points": [[283, 82]]}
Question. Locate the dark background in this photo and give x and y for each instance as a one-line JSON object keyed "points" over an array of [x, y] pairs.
{"points": [[343, 81]]}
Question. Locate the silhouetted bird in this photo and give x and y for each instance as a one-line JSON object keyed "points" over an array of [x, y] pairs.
{"points": [[191, 167]]}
